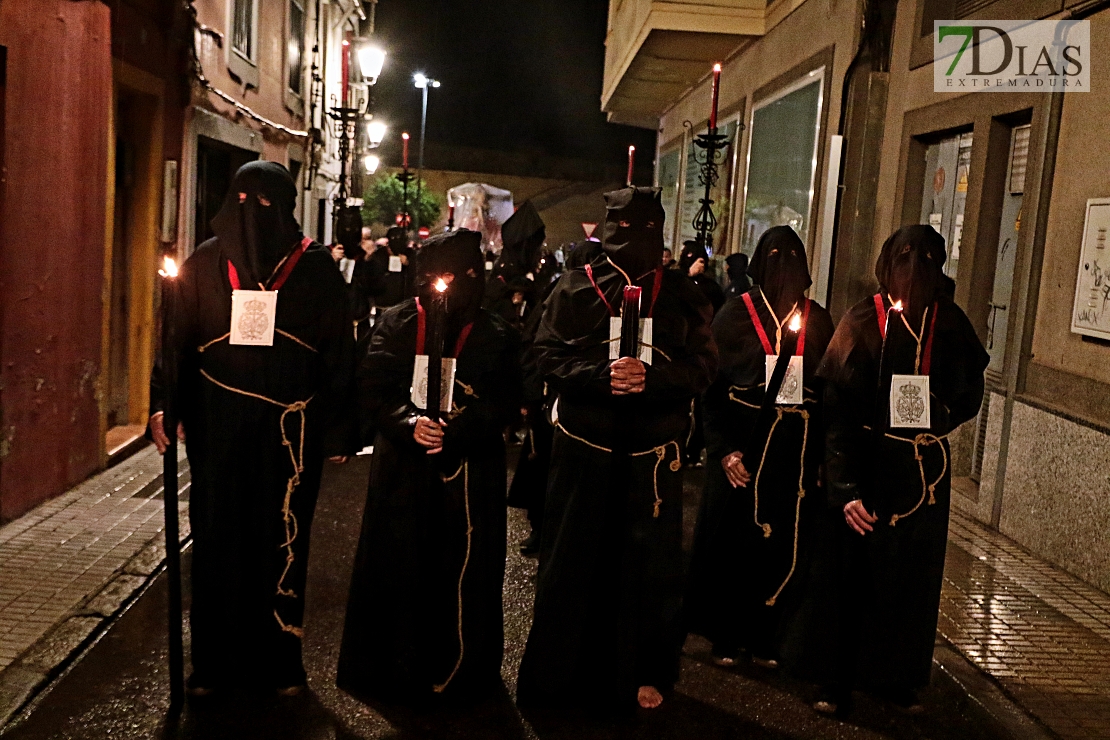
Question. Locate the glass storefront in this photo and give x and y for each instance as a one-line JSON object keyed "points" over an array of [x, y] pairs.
{"points": [[782, 161]]}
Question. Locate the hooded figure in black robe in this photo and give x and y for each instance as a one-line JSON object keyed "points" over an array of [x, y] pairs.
{"points": [[692, 252], [609, 587], [736, 267], [871, 618], [424, 614], [258, 422], [512, 291], [386, 287], [529, 485], [753, 539]]}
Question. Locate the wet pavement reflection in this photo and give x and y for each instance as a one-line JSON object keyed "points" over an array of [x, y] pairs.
{"points": [[119, 688]]}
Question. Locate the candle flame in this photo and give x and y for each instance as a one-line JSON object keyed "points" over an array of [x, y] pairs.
{"points": [[796, 322], [631, 148], [897, 305], [169, 268], [717, 67], [441, 285], [405, 136]]}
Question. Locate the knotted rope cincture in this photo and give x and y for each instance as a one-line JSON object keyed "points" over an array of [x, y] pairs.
{"points": [[296, 457], [780, 410], [928, 490], [285, 334], [659, 451], [465, 470]]}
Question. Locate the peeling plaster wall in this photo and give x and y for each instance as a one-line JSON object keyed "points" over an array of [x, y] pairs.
{"points": [[59, 92]]}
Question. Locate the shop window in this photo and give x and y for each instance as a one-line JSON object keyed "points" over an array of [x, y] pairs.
{"points": [[782, 161], [668, 182], [947, 171]]}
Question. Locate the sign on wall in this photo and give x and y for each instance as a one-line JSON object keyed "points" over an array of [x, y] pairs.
{"points": [[1091, 312]]}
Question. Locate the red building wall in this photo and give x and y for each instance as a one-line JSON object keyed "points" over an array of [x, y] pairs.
{"points": [[59, 98]]}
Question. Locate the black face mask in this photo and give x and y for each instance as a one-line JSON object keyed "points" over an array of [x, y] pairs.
{"points": [[780, 268], [633, 236], [256, 226], [909, 268], [458, 254]]}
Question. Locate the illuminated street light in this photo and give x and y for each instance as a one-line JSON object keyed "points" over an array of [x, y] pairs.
{"points": [[371, 162], [375, 132], [371, 59]]}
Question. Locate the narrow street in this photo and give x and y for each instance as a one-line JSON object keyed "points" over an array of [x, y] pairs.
{"points": [[118, 689]]}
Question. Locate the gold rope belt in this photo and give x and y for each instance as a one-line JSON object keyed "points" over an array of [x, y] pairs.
{"points": [[780, 410], [927, 489], [465, 470], [285, 334], [297, 458], [660, 453]]}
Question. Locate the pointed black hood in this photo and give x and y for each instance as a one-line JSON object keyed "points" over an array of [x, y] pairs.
{"points": [[256, 237], [910, 267], [523, 236], [633, 236]]}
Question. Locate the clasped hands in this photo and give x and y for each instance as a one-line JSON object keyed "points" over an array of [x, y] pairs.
{"points": [[627, 375], [429, 434]]}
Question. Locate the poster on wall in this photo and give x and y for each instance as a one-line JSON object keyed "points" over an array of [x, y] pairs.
{"points": [[1091, 312]]}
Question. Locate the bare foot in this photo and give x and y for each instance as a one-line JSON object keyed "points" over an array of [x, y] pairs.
{"points": [[649, 697]]}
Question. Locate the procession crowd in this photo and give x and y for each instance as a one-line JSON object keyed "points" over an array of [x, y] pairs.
{"points": [[820, 541]]}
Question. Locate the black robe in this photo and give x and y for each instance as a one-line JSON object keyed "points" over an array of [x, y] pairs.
{"points": [[609, 588], [431, 557], [735, 570], [385, 287], [250, 551], [870, 619]]}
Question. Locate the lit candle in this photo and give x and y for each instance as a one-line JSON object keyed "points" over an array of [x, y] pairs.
{"points": [[169, 479], [716, 96], [631, 162], [405, 155], [762, 429]]}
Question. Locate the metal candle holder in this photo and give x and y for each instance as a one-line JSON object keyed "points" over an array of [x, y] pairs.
{"points": [[709, 154]]}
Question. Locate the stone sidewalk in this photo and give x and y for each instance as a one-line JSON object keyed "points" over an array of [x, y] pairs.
{"points": [[1041, 633], [71, 564]]}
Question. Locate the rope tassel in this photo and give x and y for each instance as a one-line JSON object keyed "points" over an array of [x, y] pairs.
{"points": [[928, 490], [296, 457]]}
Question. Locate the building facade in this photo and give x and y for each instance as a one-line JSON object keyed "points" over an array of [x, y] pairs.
{"points": [[835, 129], [121, 125]]}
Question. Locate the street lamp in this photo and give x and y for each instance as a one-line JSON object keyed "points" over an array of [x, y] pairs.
{"points": [[371, 59], [422, 82], [352, 106], [375, 133], [371, 162]]}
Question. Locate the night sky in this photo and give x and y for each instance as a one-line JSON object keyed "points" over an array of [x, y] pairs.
{"points": [[521, 76]]}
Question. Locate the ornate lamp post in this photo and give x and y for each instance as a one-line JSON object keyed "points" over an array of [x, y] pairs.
{"points": [[351, 107], [713, 148]]}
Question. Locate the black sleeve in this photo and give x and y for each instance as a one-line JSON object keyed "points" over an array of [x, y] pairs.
{"points": [[491, 404], [693, 366], [337, 345], [385, 379], [561, 361]]}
